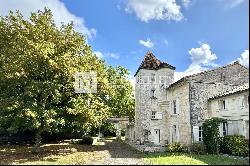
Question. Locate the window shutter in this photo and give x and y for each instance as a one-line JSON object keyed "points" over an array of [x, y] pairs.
{"points": [[177, 106], [196, 133], [159, 115], [221, 129]]}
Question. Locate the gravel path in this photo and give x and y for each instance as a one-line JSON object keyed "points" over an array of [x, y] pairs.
{"points": [[117, 153]]}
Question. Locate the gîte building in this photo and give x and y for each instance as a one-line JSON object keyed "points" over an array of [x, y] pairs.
{"points": [[168, 111]]}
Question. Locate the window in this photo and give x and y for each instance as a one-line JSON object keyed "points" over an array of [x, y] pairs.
{"points": [[200, 133], [156, 115], [174, 106], [174, 127], [223, 104], [153, 115], [224, 128], [175, 133], [245, 102], [145, 79], [153, 77], [152, 93]]}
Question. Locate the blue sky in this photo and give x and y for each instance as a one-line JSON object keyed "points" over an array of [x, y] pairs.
{"points": [[192, 35]]}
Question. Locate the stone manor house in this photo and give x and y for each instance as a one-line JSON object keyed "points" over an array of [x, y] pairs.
{"points": [[168, 111]]}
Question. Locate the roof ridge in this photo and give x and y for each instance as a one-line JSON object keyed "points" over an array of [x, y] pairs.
{"points": [[206, 71]]}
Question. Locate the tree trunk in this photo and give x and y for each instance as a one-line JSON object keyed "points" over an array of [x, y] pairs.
{"points": [[36, 147]]}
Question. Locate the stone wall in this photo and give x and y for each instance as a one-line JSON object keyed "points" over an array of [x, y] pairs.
{"points": [[200, 92], [145, 104], [233, 73], [179, 92], [236, 112]]}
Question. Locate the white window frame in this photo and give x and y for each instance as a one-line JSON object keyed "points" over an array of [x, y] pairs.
{"points": [[224, 128]]}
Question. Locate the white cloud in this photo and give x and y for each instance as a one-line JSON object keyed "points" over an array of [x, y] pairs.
{"points": [[147, 10], [112, 55], [59, 10], [98, 54], [165, 42], [244, 58], [202, 55], [202, 59], [109, 54], [229, 4], [148, 43], [186, 3]]}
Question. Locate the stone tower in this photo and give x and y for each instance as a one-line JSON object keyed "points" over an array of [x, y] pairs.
{"points": [[152, 79]]}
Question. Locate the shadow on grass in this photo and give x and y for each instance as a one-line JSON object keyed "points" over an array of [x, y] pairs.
{"points": [[19, 154], [186, 159]]}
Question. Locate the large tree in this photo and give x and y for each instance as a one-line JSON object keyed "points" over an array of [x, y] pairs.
{"points": [[38, 61]]}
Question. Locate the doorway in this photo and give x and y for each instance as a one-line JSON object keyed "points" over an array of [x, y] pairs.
{"points": [[157, 136]]}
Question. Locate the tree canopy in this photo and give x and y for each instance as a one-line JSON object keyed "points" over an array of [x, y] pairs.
{"points": [[38, 61]]}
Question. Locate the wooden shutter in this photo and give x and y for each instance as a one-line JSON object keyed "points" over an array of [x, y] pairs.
{"points": [[196, 133], [177, 106], [159, 115]]}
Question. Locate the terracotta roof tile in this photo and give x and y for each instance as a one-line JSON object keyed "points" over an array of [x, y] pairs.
{"points": [[232, 91], [152, 63]]}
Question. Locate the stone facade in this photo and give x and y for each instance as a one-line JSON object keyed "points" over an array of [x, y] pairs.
{"points": [[178, 126], [150, 95], [167, 111], [235, 108]]}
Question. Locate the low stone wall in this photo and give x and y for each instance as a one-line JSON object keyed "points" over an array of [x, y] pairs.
{"points": [[146, 148]]}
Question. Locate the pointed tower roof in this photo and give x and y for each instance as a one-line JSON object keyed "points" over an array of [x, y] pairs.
{"points": [[150, 62]]}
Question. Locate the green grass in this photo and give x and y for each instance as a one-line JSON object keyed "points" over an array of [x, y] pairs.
{"points": [[52, 154], [191, 159]]}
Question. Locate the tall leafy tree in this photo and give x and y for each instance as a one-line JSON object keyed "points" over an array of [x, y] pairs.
{"points": [[38, 61]]}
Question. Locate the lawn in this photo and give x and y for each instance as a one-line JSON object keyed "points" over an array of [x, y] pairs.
{"points": [[103, 150], [191, 159], [52, 154]]}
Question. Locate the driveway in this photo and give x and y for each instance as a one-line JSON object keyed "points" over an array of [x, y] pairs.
{"points": [[117, 153]]}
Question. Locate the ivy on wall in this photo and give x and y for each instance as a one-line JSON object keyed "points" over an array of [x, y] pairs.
{"points": [[211, 134]]}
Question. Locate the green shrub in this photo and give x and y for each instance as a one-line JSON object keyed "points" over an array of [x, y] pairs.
{"points": [[86, 140], [175, 147], [234, 145], [197, 148], [211, 134]]}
